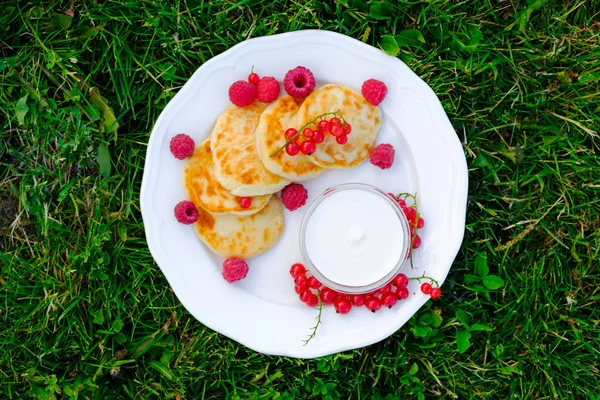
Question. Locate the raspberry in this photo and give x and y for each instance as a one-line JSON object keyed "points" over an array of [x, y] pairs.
{"points": [[299, 82], [374, 91], [182, 146], [242, 93], [294, 196], [234, 269], [383, 156], [267, 89], [186, 212]]}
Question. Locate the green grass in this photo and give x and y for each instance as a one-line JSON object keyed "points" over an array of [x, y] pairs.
{"points": [[85, 310]]}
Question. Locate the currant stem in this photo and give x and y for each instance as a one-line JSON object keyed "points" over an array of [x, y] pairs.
{"points": [[314, 328], [418, 278], [299, 133]]}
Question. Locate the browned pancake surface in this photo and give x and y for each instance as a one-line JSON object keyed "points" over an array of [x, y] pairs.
{"points": [[237, 165], [270, 137], [205, 191]]}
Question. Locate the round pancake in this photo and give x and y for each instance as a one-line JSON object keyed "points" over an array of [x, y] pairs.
{"points": [[205, 191], [241, 236], [237, 165], [364, 118], [270, 137]]}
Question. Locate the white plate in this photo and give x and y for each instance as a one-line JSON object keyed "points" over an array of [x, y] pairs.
{"points": [[262, 311]]}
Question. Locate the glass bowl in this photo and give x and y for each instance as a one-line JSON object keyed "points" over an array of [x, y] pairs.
{"points": [[354, 238]]}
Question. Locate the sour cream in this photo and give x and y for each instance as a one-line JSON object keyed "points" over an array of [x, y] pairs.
{"points": [[354, 238]]}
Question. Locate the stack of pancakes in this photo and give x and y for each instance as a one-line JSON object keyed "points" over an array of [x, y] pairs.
{"points": [[238, 161]]}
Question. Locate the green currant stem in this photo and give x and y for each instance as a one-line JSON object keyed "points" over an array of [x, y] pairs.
{"points": [[299, 133], [418, 278], [314, 328]]}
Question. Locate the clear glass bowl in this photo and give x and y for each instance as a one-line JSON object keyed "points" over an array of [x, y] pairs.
{"points": [[376, 283]]}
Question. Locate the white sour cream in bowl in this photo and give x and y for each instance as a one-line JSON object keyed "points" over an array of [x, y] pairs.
{"points": [[354, 238]]}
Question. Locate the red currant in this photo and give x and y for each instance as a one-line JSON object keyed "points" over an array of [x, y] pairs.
{"points": [[297, 270], [373, 303], [402, 293], [323, 126], [290, 133], [337, 130], [357, 300], [401, 281], [314, 283], [318, 137], [245, 202], [301, 280], [305, 296], [426, 288], [342, 139], [308, 133], [313, 300], [420, 223], [292, 149], [389, 299], [253, 78], [308, 147], [342, 305], [416, 242], [335, 121], [435, 293], [402, 204], [347, 128], [411, 214], [385, 288], [328, 295], [300, 289]]}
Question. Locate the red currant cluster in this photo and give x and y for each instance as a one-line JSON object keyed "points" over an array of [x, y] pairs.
{"points": [[415, 220], [310, 291], [434, 292], [305, 139]]}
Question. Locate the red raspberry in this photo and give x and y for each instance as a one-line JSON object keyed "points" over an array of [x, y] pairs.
{"points": [[294, 196], [299, 82], [374, 91], [242, 93], [234, 269], [186, 212], [182, 146], [383, 156], [267, 89]]}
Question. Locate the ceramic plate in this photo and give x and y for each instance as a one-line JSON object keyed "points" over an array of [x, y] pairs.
{"points": [[262, 311]]}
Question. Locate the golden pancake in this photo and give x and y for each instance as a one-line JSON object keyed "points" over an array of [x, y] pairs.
{"points": [[364, 118], [205, 191], [270, 137], [237, 165], [241, 236]]}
